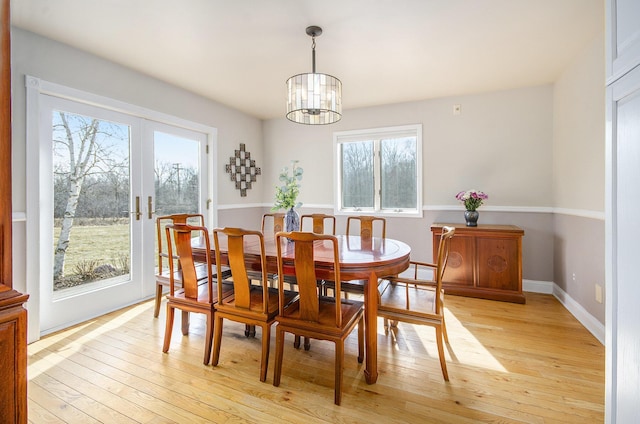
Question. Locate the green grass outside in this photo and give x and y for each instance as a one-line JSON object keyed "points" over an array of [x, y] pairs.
{"points": [[103, 243]]}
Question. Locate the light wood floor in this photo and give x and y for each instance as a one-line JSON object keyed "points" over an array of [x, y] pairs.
{"points": [[530, 363]]}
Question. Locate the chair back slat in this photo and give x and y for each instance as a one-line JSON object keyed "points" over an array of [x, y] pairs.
{"points": [[306, 278], [180, 236], [277, 221], [238, 265], [370, 226], [319, 222], [161, 223]]}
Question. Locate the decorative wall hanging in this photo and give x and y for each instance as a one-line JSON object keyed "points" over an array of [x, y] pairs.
{"points": [[243, 170]]}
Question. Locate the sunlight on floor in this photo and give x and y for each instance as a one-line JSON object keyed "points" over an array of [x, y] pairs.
{"points": [[466, 349], [73, 344]]}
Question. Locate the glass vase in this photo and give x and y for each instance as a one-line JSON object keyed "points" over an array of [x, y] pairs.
{"points": [[291, 221]]}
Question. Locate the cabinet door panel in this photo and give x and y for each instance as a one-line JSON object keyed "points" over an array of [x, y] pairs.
{"points": [[8, 371], [460, 267], [498, 263], [623, 52]]}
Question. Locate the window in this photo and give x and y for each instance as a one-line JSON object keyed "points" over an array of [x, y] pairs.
{"points": [[379, 170]]}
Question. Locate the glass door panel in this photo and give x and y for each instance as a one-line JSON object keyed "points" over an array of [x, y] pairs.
{"points": [[91, 192], [177, 174], [90, 243]]}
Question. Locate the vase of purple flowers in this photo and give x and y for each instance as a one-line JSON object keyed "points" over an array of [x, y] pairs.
{"points": [[472, 200]]}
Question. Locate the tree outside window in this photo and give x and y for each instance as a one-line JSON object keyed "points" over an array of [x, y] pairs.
{"points": [[379, 170]]}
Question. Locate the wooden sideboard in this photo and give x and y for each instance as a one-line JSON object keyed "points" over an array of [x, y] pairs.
{"points": [[13, 316], [484, 261]]}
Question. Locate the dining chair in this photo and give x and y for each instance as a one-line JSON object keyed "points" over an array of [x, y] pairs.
{"points": [[314, 315], [277, 223], [189, 294], [369, 226], [417, 300], [272, 223], [319, 221], [162, 270], [251, 304], [366, 227]]}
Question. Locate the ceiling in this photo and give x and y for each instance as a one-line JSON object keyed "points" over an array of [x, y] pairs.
{"points": [[241, 52]]}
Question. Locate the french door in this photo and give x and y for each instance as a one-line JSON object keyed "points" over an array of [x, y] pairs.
{"points": [[104, 177]]}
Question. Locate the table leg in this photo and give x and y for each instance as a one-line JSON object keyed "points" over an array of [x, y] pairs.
{"points": [[371, 329]]}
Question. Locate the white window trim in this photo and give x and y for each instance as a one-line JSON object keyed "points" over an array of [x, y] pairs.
{"points": [[377, 133]]}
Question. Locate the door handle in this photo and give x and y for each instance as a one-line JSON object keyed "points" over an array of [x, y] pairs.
{"points": [[137, 212], [150, 207]]}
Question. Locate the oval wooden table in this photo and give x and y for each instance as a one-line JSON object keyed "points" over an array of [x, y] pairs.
{"points": [[360, 259]]}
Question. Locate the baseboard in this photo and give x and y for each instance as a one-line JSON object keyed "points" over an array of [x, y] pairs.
{"points": [[533, 286], [594, 326]]}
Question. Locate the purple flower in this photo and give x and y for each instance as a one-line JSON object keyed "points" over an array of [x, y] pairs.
{"points": [[472, 199]]}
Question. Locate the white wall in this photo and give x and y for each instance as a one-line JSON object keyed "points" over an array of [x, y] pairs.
{"points": [[579, 178], [579, 132], [501, 144], [55, 62]]}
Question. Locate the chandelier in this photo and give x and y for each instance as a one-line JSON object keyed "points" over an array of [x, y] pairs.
{"points": [[314, 99]]}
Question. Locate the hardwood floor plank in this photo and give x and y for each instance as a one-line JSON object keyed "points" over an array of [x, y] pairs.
{"points": [[56, 406], [508, 363], [40, 415], [83, 380]]}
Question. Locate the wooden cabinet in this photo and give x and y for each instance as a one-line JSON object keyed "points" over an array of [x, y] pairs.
{"points": [[13, 316], [484, 261]]}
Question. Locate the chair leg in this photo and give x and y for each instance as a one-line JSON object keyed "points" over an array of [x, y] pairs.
{"points": [[185, 323], [338, 372], [156, 308], [249, 330], [217, 339], [296, 342], [208, 338], [168, 328], [264, 362], [277, 369], [443, 363], [444, 331], [361, 340]]}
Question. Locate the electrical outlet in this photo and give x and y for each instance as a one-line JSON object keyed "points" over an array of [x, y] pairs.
{"points": [[598, 293], [573, 276]]}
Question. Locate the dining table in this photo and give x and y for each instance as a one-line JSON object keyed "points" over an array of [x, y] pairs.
{"points": [[361, 258]]}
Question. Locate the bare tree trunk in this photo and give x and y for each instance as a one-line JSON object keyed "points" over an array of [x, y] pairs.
{"points": [[65, 230], [78, 168]]}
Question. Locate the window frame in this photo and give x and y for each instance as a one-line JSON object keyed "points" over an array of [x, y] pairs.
{"points": [[377, 134]]}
